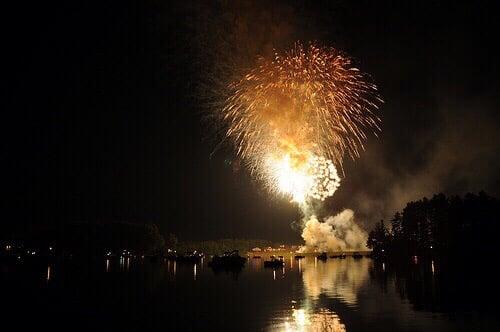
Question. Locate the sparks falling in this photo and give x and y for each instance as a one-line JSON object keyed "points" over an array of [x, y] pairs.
{"points": [[295, 117]]}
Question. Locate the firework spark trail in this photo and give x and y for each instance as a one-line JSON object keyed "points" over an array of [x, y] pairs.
{"points": [[295, 117]]}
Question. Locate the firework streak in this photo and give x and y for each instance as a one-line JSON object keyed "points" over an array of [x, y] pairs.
{"points": [[294, 117]]}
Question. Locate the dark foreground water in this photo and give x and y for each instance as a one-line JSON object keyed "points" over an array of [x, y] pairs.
{"points": [[310, 295]]}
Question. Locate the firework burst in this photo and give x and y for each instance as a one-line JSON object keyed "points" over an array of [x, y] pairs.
{"points": [[295, 117]]}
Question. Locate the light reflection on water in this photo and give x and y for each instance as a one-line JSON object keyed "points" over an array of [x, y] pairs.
{"points": [[304, 320], [340, 279], [304, 295]]}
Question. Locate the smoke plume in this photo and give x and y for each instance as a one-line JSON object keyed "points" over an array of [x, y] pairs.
{"points": [[334, 233]]}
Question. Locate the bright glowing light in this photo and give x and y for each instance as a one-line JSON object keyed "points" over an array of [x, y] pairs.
{"points": [[298, 114], [294, 181], [316, 177], [302, 320], [300, 317]]}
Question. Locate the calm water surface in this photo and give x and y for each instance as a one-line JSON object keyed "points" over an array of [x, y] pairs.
{"points": [[306, 295]]}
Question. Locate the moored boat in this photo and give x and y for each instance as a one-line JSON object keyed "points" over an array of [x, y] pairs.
{"points": [[357, 255], [228, 260], [274, 263], [339, 256], [322, 256]]}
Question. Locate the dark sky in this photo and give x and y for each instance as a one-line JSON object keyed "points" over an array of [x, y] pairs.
{"points": [[103, 118]]}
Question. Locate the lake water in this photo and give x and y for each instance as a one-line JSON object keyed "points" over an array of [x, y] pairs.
{"points": [[306, 295]]}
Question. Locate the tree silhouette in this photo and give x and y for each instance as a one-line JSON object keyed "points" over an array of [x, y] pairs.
{"points": [[441, 227], [378, 239]]}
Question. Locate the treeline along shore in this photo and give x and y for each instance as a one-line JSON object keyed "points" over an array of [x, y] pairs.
{"points": [[112, 238], [447, 229], [442, 228], [441, 252]]}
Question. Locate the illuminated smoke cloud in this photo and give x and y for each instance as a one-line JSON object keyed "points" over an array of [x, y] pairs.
{"points": [[335, 233]]}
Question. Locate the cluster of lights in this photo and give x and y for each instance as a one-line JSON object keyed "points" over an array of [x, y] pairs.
{"points": [[315, 178], [326, 180], [9, 247], [124, 253]]}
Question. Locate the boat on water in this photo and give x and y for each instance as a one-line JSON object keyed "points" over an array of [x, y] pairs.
{"points": [[339, 256], [230, 259], [189, 257], [357, 255], [171, 256], [274, 263], [322, 256]]}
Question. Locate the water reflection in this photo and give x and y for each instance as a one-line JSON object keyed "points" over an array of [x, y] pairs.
{"points": [[333, 279], [336, 295], [305, 320], [340, 279]]}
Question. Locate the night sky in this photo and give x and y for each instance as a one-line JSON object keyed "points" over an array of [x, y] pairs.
{"points": [[103, 118]]}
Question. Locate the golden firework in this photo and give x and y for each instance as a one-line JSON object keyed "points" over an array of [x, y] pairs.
{"points": [[297, 115]]}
